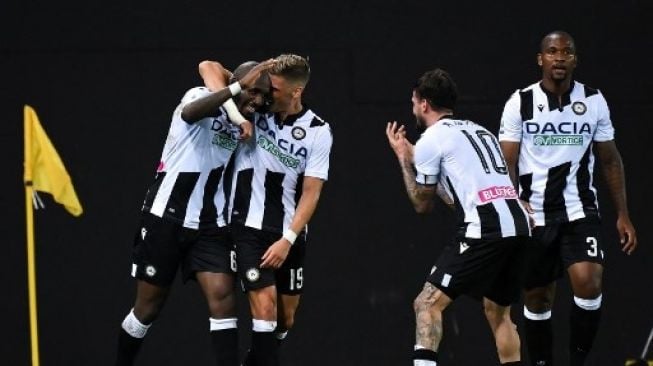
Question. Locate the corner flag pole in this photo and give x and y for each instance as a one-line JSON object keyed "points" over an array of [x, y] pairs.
{"points": [[31, 267]]}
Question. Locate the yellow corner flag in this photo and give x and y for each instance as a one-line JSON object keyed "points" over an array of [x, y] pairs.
{"points": [[44, 168], [45, 172]]}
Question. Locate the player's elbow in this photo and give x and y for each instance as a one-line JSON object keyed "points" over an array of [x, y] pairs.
{"points": [[188, 115]]}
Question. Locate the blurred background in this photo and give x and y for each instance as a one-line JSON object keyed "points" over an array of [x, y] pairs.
{"points": [[105, 76]]}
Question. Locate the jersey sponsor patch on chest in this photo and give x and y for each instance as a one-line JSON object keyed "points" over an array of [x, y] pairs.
{"points": [[560, 133], [284, 158]]}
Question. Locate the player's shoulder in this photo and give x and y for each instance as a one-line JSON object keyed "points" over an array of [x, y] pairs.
{"points": [[585, 90], [312, 120], [195, 93]]}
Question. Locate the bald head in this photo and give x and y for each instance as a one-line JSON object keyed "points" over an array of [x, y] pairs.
{"points": [[243, 69]]}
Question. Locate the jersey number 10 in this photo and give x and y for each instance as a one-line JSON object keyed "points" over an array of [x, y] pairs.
{"points": [[491, 146]]}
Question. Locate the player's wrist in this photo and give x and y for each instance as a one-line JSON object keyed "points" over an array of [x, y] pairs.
{"points": [[235, 88], [233, 113], [290, 236]]}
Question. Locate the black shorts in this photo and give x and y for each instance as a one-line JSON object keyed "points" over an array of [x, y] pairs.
{"points": [[162, 246], [251, 244], [557, 246], [212, 252], [481, 268]]}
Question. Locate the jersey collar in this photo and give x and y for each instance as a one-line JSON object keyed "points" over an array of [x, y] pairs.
{"points": [[290, 119], [565, 99]]}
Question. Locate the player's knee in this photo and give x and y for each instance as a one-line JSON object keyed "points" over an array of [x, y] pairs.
{"points": [[264, 307], [423, 303], [538, 301], [222, 306], [587, 286], [496, 315], [147, 313], [287, 322]]}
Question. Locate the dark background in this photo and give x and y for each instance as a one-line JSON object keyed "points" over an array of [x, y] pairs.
{"points": [[105, 76]]}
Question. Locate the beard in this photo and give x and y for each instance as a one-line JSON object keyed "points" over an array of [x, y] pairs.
{"points": [[420, 125]]}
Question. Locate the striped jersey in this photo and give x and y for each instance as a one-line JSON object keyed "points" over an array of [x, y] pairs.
{"points": [[270, 168], [466, 160], [556, 162], [189, 187]]}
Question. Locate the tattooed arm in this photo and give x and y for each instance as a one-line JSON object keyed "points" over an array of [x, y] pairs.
{"points": [[421, 196]]}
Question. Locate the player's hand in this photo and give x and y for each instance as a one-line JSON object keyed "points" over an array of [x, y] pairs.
{"points": [[627, 234], [397, 138], [246, 130], [530, 212], [250, 78], [276, 254]]}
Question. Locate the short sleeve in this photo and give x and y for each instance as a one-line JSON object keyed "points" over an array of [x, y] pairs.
{"points": [[318, 161], [511, 122], [194, 94], [190, 96], [604, 129], [427, 159]]}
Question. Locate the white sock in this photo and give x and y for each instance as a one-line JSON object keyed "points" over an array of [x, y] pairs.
{"points": [[222, 324], [264, 326], [133, 326]]}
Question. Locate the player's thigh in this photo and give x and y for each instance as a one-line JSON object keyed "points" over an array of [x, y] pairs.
{"points": [[263, 303], [581, 241], [507, 269], [290, 277], [469, 267], [159, 248], [542, 258], [250, 245], [212, 252]]}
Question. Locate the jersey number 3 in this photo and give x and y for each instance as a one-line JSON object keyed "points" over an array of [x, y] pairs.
{"points": [[491, 146]]}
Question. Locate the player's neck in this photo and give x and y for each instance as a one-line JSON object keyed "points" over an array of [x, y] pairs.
{"points": [[436, 115], [556, 87], [294, 108]]}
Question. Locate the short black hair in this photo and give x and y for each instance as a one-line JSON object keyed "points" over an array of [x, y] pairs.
{"points": [[557, 33], [438, 88]]}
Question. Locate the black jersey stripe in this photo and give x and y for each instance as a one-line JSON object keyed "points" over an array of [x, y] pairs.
{"points": [[273, 211], [526, 107], [525, 182], [583, 178], [490, 222], [153, 190], [180, 195], [244, 196], [554, 206], [459, 210], [209, 212], [226, 186], [589, 91], [519, 217]]}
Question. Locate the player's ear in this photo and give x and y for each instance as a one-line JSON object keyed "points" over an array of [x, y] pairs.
{"points": [[297, 92], [539, 59]]}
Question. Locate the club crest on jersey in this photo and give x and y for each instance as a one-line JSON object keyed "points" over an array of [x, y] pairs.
{"points": [[252, 274], [579, 108], [150, 271], [298, 133]]}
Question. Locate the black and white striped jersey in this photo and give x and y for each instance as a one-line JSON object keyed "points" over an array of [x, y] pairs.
{"points": [[269, 170], [189, 186], [556, 162], [466, 160]]}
